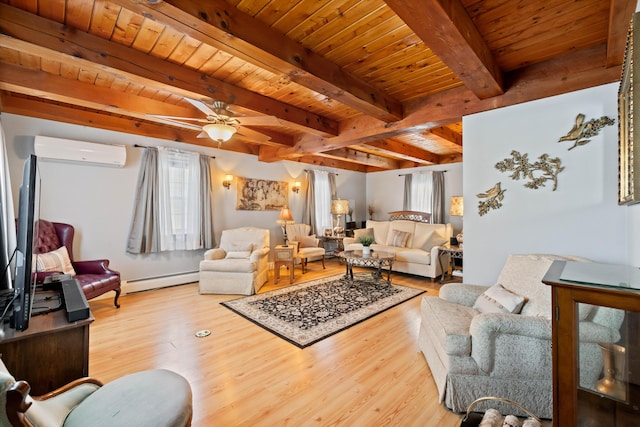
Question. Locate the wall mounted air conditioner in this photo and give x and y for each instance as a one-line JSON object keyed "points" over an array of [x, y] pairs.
{"points": [[80, 151]]}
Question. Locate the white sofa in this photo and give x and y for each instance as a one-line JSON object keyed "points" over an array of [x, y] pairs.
{"points": [[418, 254], [474, 353], [239, 266]]}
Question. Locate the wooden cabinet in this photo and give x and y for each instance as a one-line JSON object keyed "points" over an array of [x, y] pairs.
{"points": [[50, 353], [615, 400]]}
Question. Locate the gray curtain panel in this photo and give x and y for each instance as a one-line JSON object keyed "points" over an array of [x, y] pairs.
{"points": [[309, 208], [437, 198], [207, 237], [406, 202], [332, 186], [144, 235]]}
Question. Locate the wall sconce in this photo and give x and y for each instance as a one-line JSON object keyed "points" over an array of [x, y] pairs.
{"points": [[226, 182], [296, 187]]}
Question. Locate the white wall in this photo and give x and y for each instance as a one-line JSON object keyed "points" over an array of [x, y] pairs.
{"points": [[385, 190], [581, 217], [98, 200]]}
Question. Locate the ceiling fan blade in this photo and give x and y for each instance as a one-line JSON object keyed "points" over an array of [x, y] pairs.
{"points": [[202, 134], [178, 123], [186, 119], [258, 120], [202, 107], [253, 135]]}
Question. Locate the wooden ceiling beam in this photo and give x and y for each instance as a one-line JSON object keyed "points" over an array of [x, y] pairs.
{"points": [[619, 11], [447, 134], [394, 147], [578, 70], [43, 35], [355, 156], [447, 29], [245, 37]]}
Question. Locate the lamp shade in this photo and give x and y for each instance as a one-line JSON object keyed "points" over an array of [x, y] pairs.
{"points": [[219, 132], [457, 206], [339, 207], [285, 216]]}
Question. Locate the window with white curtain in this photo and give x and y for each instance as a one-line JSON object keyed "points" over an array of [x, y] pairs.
{"points": [[421, 191], [179, 200], [322, 192]]}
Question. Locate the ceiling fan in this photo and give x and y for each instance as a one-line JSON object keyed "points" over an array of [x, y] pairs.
{"points": [[220, 124]]}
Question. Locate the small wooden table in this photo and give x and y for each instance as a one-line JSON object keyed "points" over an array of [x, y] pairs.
{"points": [[455, 252], [283, 255]]}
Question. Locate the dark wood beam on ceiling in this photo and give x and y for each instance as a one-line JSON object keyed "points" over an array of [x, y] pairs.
{"points": [[447, 29], [147, 70], [578, 70], [619, 11], [241, 35]]}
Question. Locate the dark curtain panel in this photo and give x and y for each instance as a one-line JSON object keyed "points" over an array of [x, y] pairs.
{"points": [[309, 208], [144, 235], [406, 201], [206, 230], [332, 186], [437, 198]]}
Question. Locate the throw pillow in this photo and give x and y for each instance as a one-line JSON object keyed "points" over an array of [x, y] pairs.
{"points": [[398, 238], [57, 260], [244, 252], [362, 232], [497, 299], [433, 239], [308, 241]]}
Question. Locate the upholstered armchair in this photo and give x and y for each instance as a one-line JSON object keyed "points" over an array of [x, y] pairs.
{"points": [[54, 244], [153, 398], [240, 265], [307, 246], [496, 341]]}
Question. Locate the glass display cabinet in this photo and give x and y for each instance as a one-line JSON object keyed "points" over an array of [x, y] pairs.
{"points": [[595, 344]]}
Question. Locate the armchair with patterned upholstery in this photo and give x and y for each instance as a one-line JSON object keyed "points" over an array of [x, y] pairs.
{"points": [[239, 266], [54, 246]]}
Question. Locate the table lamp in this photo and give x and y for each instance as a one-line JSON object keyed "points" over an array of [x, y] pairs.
{"points": [[339, 207], [284, 219]]}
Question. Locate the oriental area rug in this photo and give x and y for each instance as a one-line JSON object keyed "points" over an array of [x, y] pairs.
{"points": [[309, 312]]}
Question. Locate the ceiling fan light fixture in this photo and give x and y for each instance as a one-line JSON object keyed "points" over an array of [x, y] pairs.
{"points": [[219, 131]]}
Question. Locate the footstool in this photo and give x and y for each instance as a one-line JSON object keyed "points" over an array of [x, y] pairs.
{"points": [[154, 398]]}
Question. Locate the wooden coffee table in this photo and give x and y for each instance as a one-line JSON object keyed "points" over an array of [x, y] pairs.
{"points": [[376, 259]]}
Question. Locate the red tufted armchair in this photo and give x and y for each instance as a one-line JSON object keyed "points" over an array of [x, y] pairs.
{"points": [[95, 276]]}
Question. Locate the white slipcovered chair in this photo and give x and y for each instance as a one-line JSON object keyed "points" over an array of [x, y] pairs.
{"points": [[239, 266], [307, 246]]}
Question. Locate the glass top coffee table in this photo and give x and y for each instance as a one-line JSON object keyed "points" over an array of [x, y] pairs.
{"points": [[377, 260]]}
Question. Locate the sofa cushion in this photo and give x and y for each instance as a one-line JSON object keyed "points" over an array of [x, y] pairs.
{"points": [[450, 323], [57, 260], [402, 225], [497, 299], [415, 256], [380, 230], [398, 238], [522, 274], [362, 232], [429, 235]]}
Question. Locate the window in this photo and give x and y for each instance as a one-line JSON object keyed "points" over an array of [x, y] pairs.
{"points": [[421, 192], [322, 193], [179, 200]]}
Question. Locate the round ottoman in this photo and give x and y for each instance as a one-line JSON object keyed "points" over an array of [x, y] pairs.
{"points": [[154, 398]]}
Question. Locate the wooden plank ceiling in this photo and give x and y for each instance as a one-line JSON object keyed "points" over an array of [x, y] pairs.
{"points": [[363, 85]]}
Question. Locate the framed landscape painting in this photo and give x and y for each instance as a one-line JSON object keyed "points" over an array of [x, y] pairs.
{"points": [[261, 194]]}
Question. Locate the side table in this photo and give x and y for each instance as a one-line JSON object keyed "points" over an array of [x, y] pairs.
{"points": [[329, 240], [283, 255], [454, 252]]}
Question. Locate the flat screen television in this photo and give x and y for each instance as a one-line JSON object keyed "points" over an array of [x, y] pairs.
{"points": [[24, 278]]}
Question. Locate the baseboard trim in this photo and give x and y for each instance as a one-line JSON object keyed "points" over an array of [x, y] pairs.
{"points": [[148, 284]]}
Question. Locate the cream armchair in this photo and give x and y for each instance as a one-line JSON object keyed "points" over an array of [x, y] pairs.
{"points": [[307, 246], [473, 352], [240, 265]]}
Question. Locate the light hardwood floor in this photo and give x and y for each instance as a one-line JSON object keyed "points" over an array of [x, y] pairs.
{"points": [[372, 374]]}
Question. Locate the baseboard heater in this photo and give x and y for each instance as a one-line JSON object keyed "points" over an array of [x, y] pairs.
{"points": [[157, 282]]}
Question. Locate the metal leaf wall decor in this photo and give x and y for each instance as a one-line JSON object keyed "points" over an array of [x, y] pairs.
{"points": [[493, 197], [582, 131], [545, 169]]}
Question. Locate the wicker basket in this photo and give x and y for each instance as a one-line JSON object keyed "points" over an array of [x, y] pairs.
{"points": [[472, 419]]}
